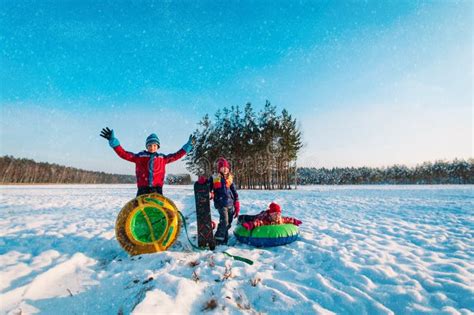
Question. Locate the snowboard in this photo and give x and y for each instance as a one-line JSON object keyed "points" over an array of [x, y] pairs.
{"points": [[203, 214]]}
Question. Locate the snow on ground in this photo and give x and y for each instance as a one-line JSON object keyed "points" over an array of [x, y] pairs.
{"points": [[362, 249]]}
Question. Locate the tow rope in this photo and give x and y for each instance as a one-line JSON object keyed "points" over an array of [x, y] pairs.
{"points": [[235, 257]]}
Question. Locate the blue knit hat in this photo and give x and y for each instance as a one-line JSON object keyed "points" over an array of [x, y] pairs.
{"points": [[153, 138]]}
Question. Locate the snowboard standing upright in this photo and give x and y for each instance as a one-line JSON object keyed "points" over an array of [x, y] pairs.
{"points": [[203, 214]]}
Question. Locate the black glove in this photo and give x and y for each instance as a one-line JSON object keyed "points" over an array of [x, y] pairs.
{"points": [[107, 133]]}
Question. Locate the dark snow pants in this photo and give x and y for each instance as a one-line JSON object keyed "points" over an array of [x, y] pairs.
{"points": [[226, 215], [149, 190]]}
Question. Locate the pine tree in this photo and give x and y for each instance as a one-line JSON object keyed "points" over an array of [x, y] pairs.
{"points": [[259, 147]]}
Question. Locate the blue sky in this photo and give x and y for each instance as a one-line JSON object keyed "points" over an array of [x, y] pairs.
{"points": [[371, 83]]}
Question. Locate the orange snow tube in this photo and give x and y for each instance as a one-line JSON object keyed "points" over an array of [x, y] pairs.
{"points": [[147, 224]]}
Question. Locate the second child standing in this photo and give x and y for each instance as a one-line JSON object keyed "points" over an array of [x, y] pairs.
{"points": [[226, 199]]}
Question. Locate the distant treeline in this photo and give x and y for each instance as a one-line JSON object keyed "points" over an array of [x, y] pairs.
{"points": [[439, 172], [25, 171]]}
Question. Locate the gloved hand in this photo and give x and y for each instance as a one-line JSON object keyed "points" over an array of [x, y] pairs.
{"points": [[189, 145], [109, 135], [297, 222], [237, 209], [202, 180], [248, 225]]}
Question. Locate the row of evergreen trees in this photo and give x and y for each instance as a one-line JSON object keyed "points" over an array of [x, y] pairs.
{"points": [[261, 147], [439, 172], [13, 170], [25, 171]]}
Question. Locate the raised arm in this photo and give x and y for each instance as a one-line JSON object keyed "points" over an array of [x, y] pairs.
{"points": [[115, 144], [129, 156], [169, 158], [182, 152]]}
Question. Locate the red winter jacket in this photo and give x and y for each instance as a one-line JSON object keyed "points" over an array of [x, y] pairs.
{"points": [[268, 218], [149, 167]]}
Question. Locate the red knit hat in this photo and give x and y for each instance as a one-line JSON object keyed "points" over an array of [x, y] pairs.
{"points": [[222, 163], [274, 207]]}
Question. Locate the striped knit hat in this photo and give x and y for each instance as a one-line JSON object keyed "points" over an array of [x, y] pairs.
{"points": [[153, 138]]}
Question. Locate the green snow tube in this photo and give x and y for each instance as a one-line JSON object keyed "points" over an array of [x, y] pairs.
{"points": [[267, 235]]}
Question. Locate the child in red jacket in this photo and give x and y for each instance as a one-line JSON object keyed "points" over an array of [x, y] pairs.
{"points": [[150, 166], [271, 216]]}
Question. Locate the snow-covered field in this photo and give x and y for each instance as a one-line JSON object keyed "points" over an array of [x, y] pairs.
{"points": [[362, 250]]}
